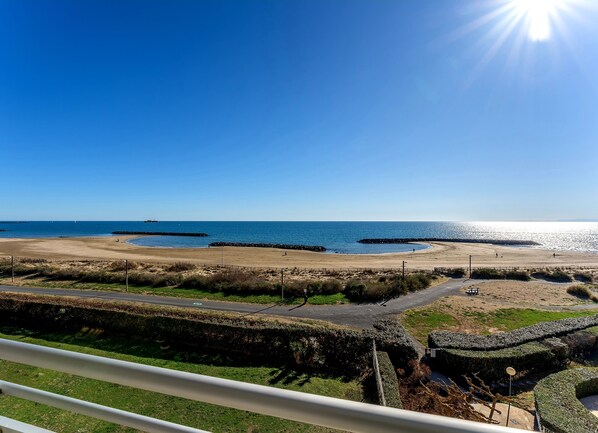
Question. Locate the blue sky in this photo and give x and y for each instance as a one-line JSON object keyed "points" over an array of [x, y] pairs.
{"points": [[295, 110]]}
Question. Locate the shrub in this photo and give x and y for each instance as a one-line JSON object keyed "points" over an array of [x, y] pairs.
{"points": [[457, 272], [180, 267], [517, 275], [557, 401], [198, 282], [487, 274], [583, 292], [540, 331], [585, 277], [390, 381], [327, 287], [580, 343], [31, 260], [497, 274], [120, 265], [239, 281], [557, 276], [392, 338], [491, 364], [354, 290]]}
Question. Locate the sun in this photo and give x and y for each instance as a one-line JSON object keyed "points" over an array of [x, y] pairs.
{"points": [[538, 15]]}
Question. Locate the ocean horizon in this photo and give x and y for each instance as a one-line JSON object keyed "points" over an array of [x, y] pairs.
{"points": [[335, 236]]}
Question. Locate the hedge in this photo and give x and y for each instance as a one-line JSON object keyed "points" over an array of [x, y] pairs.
{"points": [[557, 401], [392, 338], [491, 365], [314, 347], [390, 381], [540, 331]]}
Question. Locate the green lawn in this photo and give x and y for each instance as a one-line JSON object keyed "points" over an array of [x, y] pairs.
{"points": [[181, 293], [204, 416], [507, 319], [420, 322]]}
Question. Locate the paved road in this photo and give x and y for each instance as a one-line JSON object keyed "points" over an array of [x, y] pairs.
{"points": [[357, 315]]}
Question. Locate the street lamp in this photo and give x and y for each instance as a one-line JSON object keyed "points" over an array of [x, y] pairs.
{"points": [[282, 284], [511, 372]]}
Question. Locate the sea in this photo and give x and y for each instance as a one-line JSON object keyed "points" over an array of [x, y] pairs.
{"points": [[336, 236]]}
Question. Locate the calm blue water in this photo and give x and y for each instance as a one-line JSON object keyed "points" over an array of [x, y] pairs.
{"points": [[338, 237]]}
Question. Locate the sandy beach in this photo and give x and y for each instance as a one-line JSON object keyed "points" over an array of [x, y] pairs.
{"points": [[442, 254]]}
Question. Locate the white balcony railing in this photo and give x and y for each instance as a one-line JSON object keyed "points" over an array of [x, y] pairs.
{"points": [[292, 405]]}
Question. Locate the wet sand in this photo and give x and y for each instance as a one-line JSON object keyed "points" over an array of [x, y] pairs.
{"points": [[441, 254]]}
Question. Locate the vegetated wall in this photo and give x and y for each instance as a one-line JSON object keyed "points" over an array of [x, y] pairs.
{"points": [[542, 347], [491, 365], [389, 382], [540, 331], [392, 338], [311, 346], [557, 401]]}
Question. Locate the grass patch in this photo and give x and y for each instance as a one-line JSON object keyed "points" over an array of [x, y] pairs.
{"points": [[507, 319], [195, 414], [423, 321], [420, 322]]}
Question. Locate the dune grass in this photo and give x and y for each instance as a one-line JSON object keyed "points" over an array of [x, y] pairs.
{"points": [[204, 416]]}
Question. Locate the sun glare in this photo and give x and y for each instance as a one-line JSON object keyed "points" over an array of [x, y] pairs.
{"points": [[538, 15]]}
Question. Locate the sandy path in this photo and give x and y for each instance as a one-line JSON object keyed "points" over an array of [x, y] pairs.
{"points": [[442, 254]]}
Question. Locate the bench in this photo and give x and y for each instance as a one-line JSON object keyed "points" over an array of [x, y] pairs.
{"points": [[473, 291]]}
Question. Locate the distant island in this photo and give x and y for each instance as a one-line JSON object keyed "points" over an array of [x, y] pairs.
{"points": [[317, 248], [150, 221], [468, 241], [195, 235]]}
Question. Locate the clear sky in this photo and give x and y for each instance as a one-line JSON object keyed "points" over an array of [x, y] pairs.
{"points": [[298, 110]]}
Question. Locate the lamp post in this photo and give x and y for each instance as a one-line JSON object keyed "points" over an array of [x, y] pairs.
{"points": [[511, 372], [470, 266], [282, 283], [127, 276]]}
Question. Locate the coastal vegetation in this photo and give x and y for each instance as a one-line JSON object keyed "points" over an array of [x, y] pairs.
{"points": [[554, 275], [231, 283], [500, 274], [584, 291]]}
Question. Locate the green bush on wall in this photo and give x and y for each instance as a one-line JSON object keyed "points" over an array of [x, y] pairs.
{"points": [[311, 346], [390, 382], [557, 401], [491, 365], [540, 331]]}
